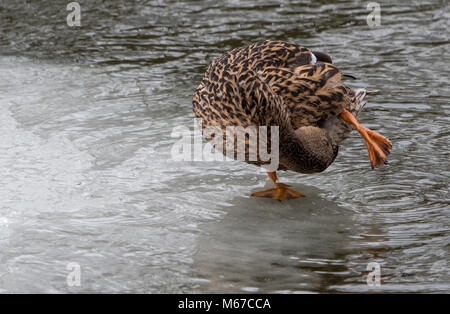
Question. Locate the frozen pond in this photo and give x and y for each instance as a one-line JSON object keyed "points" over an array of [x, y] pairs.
{"points": [[87, 178]]}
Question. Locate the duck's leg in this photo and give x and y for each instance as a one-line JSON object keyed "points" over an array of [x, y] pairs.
{"points": [[280, 192], [377, 145]]}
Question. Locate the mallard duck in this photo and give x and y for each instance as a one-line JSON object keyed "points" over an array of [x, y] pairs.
{"points": [[275, 83]]}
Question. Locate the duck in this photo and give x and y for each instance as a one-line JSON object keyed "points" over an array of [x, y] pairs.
{"points": [[286, 86]]}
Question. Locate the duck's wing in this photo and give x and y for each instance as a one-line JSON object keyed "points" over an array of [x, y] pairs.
{"points": [[291, 71], [233, 92], [312, 93], [245, 103]]}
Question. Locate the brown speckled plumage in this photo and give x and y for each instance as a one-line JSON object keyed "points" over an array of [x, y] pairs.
{"points": [[274, 83]]}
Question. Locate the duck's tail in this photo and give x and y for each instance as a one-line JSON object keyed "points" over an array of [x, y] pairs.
{"points": [[338, 129], [359, 102]]}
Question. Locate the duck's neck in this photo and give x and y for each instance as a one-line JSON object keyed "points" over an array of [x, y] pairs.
{"points": [[307, 149]]}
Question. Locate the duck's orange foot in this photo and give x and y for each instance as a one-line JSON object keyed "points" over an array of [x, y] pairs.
{"points": [[281, 192], [377, 145]]}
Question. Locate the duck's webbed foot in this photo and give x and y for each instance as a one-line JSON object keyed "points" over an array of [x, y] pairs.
{"points": [[377, 145], [280, 192]]}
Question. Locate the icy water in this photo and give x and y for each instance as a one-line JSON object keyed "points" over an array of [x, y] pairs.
{"points": [[87, 178]]}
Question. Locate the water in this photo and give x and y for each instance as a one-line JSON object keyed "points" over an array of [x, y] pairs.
{"points": [[86, 115]]}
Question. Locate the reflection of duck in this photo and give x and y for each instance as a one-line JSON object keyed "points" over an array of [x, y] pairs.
{"points": [[274, 83], [243, 249]]}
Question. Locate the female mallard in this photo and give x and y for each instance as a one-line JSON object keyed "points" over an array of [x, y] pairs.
{"points": [[274, 83]]}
